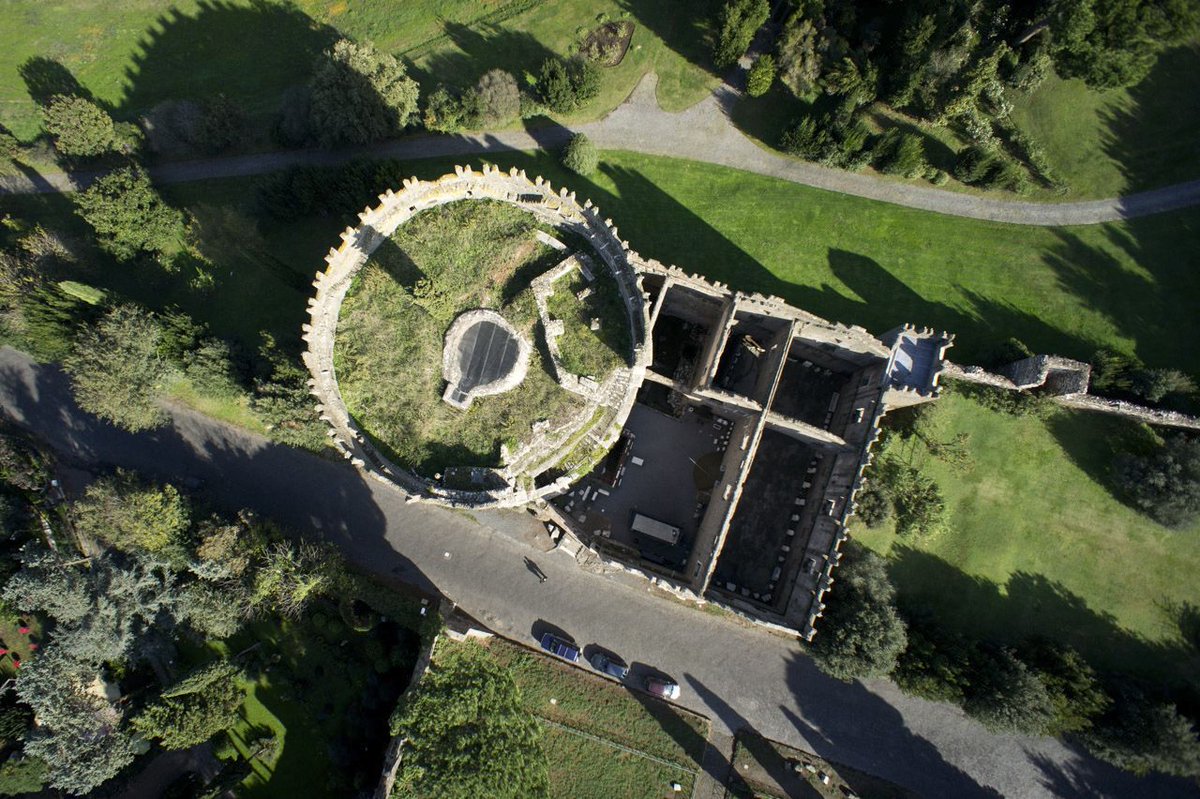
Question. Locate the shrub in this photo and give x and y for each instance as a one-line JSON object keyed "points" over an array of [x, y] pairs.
{"points": [[1165, 484], [737, 22], [219, 125], [1142, 735], [359, 95], [499, 98], [1155, 384], [448, 112], [79, 127], [874, 506], [761, 76], [565, 85], [863, 634], [292, 127], [973, 164], [580, 155]]}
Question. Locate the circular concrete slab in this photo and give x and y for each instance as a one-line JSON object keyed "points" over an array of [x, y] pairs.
{"points": [[483, 355]]}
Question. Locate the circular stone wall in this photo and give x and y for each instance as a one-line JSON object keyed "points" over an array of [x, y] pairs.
{"points": [[608, 404], [483, 356]]}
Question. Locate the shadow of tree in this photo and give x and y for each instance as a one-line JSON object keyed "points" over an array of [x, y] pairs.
{"points": [[250, 53], [480, 48], [1154, 140], [686, 27], [830, 732], [1029, 605], [46, 77]]}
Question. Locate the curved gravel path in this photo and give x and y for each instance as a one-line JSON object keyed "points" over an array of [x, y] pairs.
{"points": [[703, 133]]}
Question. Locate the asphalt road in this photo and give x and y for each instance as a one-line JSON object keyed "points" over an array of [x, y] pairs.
{"points": [[737, 676]]}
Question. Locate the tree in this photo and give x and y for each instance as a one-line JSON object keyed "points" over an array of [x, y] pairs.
{"points": [[80, 735], [565, 85], [195, 709], [499, 98], [295, 574], [1165, 484], [761, 76], [360, 95], [1008, 696], [737, 23], [1142, 735], [1114, 43], [1155, 384], [79, 127], [580, 155], [215, 611], [117, 371], [801, 55], [901, 153], [465, 712], [445, 111], [862, 635], [1076, 697], [129, 216], [131, 515], [917, 500], [219, 125]]}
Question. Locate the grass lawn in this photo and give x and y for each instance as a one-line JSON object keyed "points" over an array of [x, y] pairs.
{"points": [[136, 53], [582, 768], [1123, 140], [602, 707], [1036, 544], [388, 353]]}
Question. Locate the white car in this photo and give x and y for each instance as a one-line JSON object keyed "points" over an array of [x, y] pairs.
{"points": [[662, 688]]}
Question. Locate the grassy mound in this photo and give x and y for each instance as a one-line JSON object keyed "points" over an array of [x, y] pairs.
{"points": [[388, 354], [584, 351]]}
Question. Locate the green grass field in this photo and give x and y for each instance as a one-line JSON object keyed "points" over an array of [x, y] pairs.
{"points": [[132, 55], [1036, 544], [1124, 140], [581, 768], [602, 707]]}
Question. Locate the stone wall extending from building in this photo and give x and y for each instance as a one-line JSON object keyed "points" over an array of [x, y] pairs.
{"points": [[376, 225]]}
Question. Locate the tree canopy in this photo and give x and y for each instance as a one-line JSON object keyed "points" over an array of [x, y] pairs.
{"points": [[862, 634], [129, 216], [1164, 484], [580, 155], [360, 95], [131, 515], [467, 734], [79, 127], [117, 371], [194, 709]]}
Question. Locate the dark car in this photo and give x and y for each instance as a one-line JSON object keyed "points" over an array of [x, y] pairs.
{"points": [[612, 668], [557, 646]]}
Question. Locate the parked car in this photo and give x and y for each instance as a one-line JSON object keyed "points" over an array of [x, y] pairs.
{"points": [[603, 663], [662, 688], [557, 646]]}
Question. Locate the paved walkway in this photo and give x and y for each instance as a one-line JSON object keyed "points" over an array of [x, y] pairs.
{"points": [[736, 676], [703, 132]]}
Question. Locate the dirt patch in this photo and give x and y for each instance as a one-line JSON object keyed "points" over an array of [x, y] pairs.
{"points": [[607, 44]]}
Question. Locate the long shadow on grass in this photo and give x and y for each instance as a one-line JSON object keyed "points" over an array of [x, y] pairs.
{"points": [[1093, 441], [687, 27], [480, 48], [846, 717], [1028, 605], [1154, 140], [1153, 306], [249, 53], [659, 226]]}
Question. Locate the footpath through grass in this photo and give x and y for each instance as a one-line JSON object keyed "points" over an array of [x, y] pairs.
{"points": [[1036, 544]]}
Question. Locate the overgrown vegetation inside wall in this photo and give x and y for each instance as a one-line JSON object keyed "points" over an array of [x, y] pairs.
{"points": [[388, 353], [185, 627]]}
